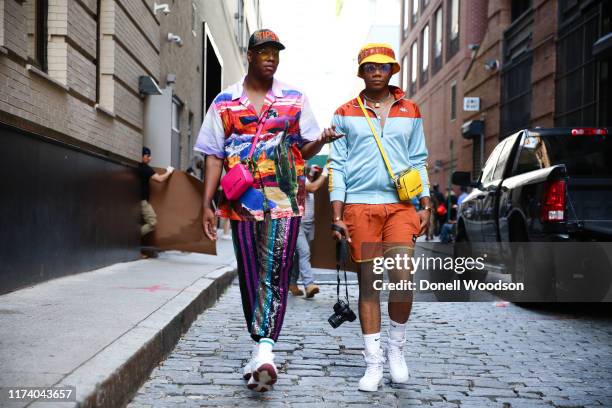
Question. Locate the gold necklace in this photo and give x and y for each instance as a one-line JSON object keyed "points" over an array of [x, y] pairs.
{"points": [[377, 103]]}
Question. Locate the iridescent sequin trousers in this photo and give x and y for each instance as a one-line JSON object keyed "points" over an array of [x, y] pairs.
{"points": [[264, 253]]}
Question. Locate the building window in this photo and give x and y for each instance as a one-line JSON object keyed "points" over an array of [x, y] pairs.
{"points": [[415, 11], [413, 67], [246, 35], [36, 25], [406, 16], [453, 101], [190, 137], [194, 19], [515, 98], [477, 154], [437, 41], [425, 52], [176, 116], [239, 34], [453, 28], [405, 73], [519, 7], [175, 134], [582, 85]]}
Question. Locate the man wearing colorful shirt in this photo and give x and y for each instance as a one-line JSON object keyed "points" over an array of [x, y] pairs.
{"points": [[265, 219], [365, 203]]}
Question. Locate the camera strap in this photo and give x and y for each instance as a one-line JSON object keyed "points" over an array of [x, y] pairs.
{"points": [[341, 257]]}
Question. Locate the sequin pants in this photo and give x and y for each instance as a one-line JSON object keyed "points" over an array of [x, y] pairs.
{"points": [[264, 252]]}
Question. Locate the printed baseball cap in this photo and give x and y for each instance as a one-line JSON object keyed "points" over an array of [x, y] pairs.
{"points": [[379, 54], [265, 36]]}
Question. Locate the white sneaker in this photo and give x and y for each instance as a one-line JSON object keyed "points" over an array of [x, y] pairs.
{"points": [[247, 370], [264, 373], [372, 379], [397, 361]]}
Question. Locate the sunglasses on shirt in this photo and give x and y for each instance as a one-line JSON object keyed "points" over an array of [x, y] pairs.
{"points": [[370, 68]]}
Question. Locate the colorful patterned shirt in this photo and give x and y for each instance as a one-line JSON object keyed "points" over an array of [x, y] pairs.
{"points": [[288, 123]]}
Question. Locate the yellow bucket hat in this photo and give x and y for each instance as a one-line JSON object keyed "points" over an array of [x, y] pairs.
{"points": [[379, 54]]}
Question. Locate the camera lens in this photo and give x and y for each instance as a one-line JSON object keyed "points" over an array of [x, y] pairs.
{"points": [[335, 321]]}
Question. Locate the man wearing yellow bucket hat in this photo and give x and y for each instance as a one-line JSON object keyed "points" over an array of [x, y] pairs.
{"points": [[383, 141]]}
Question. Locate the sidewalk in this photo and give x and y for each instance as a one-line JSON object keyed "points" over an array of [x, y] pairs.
{"points": [[104, 331]]}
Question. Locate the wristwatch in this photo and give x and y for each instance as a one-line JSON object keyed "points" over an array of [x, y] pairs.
{"points": [[336, 219]]}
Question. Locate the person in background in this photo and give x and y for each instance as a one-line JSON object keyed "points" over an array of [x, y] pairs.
{"points": [[439, 205], [447, 232], [315, 178], [462, 196], [147, 173], [227, 235], [451, 196], [196, 166]]}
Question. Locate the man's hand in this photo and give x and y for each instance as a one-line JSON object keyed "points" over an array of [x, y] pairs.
{"points": [[329, 135], [424, 216], [338, 236], [209, 223]]}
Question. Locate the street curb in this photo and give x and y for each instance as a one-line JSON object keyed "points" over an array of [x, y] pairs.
{"points": [[141, 349]]}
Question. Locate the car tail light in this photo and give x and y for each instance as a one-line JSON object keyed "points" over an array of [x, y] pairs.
{"points": [[553, 203], [589, 131]]}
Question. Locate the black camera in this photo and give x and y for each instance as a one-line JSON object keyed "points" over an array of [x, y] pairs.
{"points": [[342, 310], [342, 313]]}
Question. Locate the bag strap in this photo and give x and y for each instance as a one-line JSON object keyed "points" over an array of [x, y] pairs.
{"points": [[263, 117], [342, 251], [380, 147]]}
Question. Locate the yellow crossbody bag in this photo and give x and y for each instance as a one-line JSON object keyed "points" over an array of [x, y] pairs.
{"points": [[408, 182]]}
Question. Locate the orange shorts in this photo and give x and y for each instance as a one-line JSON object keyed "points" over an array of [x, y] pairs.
{"points": [[373, 226]]}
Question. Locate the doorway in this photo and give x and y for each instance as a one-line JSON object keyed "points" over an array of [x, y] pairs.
{"points": [[213, 70]]}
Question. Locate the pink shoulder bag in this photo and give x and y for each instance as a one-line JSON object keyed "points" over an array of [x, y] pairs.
{"points": [[238, 179]]}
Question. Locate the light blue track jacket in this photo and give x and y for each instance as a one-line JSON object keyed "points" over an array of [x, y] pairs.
{"points": [[357, 172]]}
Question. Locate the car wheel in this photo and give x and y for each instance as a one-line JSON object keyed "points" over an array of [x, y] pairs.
{"points": [[534, 269]]}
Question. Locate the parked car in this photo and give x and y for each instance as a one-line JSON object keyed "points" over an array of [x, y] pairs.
{"points": [[542, 208]]}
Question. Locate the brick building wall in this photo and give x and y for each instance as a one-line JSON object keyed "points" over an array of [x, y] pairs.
{"points": [[484, 83], [544, 63], [89, 95], [487, 83], [72, 123], [62, 101], [434, 96], [186, 63]]}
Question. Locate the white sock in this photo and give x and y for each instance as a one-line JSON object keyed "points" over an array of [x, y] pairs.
{"points": [[397, 331], [265, 346], [372, 343]]}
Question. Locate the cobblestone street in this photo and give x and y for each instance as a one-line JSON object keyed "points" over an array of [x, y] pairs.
{"points": [[460, 355]]}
